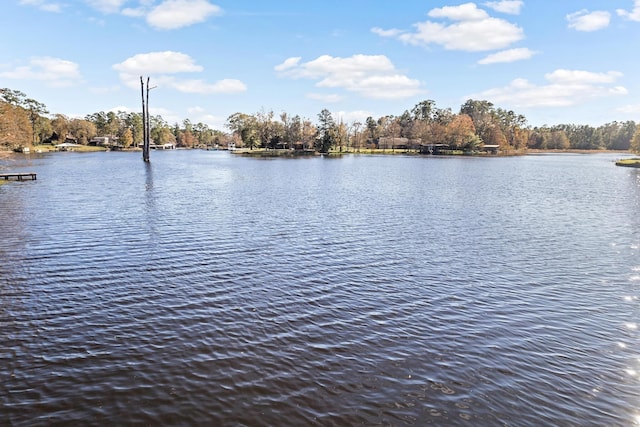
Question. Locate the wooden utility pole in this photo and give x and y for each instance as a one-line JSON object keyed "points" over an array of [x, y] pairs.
{"points": [[145, 120]]}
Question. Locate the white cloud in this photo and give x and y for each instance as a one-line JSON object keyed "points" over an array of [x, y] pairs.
{"points": [[163, 64], [463, 12], [43, 5], [172, 14], [564, 88], [584, 20], [582, 77], [122, 108], [167, 62], [134, 12], [356, 66], [167, 15], [200, 115], [288, 64], [196, 110], [106, 6], [386, 33], [510, 55], [472, 29], [55, 71], [634, 15], [371, 76], [168, 115], [630, 109], [511, 7], [350, 117], [202, 87]]}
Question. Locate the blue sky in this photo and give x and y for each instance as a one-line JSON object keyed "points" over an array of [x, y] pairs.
{"points": [[566, 61]]}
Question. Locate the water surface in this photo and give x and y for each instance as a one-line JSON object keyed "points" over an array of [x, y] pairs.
{"points": [[209, 289]]}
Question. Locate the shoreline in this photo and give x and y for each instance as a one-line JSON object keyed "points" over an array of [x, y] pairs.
{"points": [[261, 152]]}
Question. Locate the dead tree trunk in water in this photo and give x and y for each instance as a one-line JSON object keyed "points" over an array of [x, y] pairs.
{"points": [[145, 121]]}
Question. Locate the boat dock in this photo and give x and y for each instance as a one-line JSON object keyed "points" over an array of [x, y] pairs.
{"points": [[18, 176]]}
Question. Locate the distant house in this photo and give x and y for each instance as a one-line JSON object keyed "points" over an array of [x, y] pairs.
{"points": [[105, 141], [99, 140], [389, 143], [433, 148], [57, 138], [52, 139], [67, 146], [493, 149], [167, 146]]}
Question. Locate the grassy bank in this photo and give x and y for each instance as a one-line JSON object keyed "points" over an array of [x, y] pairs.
{"points": [[262, 152], [80, 148], [51, 149]]}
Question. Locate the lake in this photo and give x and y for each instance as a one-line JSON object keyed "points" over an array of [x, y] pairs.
{"points": [[210, 289]]}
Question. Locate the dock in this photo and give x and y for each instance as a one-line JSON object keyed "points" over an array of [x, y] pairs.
{"points": [[18, 176]]}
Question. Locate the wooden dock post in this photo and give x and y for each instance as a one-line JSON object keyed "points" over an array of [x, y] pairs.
{"points": [[145, 121], [146, 127]]}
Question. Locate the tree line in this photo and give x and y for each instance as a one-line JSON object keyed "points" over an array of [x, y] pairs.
{"points": [[25, 121], [477, 124]]}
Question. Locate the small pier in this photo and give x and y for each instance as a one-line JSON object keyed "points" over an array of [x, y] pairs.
{"points": [[18, 176]]}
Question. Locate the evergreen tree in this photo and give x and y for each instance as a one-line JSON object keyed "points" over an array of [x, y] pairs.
{"points": [[635, 141], [325, 137]]}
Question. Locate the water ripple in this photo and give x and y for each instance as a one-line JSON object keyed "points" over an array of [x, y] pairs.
{"points": [[227, 291]]}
